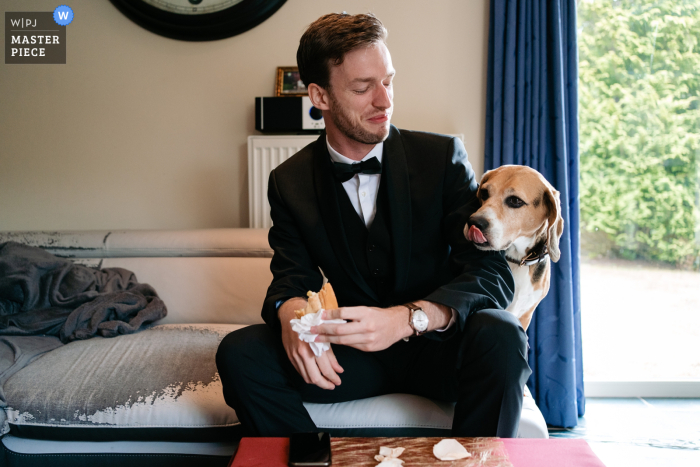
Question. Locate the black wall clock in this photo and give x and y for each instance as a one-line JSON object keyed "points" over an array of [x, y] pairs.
{"points": [[198, 20]]}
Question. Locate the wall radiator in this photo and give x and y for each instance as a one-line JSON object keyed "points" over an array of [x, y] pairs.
{"points": [[264, 154]]}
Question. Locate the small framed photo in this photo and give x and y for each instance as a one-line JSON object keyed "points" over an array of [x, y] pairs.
{"points": [[289, 83]]}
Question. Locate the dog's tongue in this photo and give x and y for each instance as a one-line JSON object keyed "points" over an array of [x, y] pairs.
{"points": [[475, 235]]}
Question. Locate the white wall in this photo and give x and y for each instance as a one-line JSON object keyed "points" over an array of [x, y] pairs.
{"points": [[138, 131]]}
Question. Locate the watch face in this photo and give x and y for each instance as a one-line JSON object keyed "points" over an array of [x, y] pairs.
{"points": [[420, 320]]}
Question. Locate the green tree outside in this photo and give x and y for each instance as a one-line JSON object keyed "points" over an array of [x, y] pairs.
{"points": [[639, 101]]}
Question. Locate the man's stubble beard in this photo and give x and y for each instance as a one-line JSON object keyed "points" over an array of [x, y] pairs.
{"points": [[354, 131]]}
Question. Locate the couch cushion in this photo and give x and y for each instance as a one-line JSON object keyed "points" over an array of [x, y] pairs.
{"points": [[162, 384], [158, 384], [408, 415], [388, 415], [532, 424], [203, 276], [147, 243], [221, 290]]}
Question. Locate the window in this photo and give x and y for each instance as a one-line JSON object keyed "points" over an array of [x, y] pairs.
{"points": [[639, 101]]}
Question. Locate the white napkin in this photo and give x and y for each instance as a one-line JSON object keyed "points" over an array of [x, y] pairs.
{"points": [[303, 327], [450, 450], [389, 457]]}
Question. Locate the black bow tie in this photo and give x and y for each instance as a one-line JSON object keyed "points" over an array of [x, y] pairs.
{"points": [[344, 172]]}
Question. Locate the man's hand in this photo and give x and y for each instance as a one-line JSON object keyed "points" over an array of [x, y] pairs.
{"points": [[372, 329], [321, 371], [369, 329]]}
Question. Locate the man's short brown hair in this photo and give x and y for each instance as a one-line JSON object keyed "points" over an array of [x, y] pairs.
{"points": [[329, 38]]}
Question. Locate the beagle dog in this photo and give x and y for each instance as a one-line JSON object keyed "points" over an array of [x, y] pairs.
{"points": [[521, 214]]}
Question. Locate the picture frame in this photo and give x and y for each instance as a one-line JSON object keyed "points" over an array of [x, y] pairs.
{"points": [[289, 83]]}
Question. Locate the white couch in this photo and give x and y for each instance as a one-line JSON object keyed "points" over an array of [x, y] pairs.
{"points": [[155, 397]]}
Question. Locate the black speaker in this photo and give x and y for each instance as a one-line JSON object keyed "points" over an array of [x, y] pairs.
{"points": [[287, 114]]}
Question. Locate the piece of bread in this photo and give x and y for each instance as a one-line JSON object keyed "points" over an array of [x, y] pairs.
{"points": [[327, 296], [323, 300]]}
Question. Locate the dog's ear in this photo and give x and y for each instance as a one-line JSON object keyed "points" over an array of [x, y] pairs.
{"points": [[555, 225], [484, 178]]}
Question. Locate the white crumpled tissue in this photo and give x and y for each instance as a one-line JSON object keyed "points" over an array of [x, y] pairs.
{"points": [[450, 450], [389, 457], [303, 327]]}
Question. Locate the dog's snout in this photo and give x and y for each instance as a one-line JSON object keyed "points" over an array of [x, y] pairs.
{"points": [[480, 222]]}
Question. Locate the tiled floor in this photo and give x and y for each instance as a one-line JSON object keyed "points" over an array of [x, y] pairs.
{"points": [[635, 432]]}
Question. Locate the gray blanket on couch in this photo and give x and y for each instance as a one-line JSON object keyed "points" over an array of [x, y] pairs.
{"points": [[46, 302]]}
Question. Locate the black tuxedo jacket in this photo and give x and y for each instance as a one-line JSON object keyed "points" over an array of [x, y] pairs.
{"points": [[432, 192]]}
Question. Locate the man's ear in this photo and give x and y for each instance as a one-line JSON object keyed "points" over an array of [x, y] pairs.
{"points": [[555, 224], [319, 97]]}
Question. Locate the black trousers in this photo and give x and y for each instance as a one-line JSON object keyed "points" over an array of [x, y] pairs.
{"points": [[267, 393]]}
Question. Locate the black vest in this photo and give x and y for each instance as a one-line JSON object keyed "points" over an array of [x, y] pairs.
{"points": [[370, 248]]}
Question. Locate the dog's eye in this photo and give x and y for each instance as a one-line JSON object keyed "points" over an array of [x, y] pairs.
{"points": [[484, 195], [515, 202]]}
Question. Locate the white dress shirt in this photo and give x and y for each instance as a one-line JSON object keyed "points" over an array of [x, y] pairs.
{"points": [[362, 190]]}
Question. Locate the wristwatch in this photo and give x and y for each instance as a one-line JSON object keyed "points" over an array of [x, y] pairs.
{"points": [[417, 319]]}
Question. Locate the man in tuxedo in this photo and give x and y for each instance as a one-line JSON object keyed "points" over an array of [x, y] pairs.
{"points": [[380, 212]]}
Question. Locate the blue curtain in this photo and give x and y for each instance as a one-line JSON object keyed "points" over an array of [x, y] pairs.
{"points": [[532, 119]]}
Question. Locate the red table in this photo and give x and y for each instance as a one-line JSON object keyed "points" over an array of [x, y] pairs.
{"points": [[551, 453], [273, 452]]}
